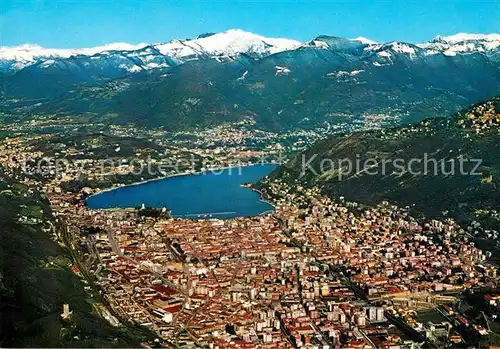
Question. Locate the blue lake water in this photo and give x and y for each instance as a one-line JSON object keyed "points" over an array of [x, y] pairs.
{"points": [[203, 195]]}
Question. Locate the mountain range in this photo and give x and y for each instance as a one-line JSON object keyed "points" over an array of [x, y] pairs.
{"points": [[282, 84], [225, 46]]}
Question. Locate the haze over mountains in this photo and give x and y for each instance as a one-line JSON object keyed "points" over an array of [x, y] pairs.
{"points": [[281, 84]]}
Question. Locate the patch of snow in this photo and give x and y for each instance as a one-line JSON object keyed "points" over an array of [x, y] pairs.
{"points": [[365, 41], [383, 54], [47, 63], [460, 37], [242, 77], [318, 44], [402, 48], [356, 72], [153, 65], [432, 52], [372, 48], [282, 71], [343, 73], [133, 69], [338, 74], [20, 65]]}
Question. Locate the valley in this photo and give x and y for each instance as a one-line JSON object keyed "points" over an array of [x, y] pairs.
{"points": [[240, 191]]}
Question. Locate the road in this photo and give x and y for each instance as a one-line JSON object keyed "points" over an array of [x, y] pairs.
{"points": [[66, 238]]}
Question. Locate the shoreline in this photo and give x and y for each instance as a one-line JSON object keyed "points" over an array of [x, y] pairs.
{"points": [[187, 173], [263, 198]]}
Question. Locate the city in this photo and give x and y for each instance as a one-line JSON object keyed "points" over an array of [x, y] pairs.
{"points": [[316, 273]]}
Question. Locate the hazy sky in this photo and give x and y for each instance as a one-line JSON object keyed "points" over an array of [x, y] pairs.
{"points": [[85, 23]]}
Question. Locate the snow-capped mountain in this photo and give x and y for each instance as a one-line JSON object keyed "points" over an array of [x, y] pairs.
{"points": [[463, 43], [229, 45], [226, 45], [134, 58], [18, 57], [235, 74]]}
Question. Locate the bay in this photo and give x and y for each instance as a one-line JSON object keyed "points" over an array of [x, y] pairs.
{"points": [[210, 194]]}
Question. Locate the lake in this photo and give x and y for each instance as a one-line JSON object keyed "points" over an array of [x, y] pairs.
{"points": [[217, 194]]}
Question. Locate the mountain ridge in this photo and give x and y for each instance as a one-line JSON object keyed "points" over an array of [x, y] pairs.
{"points": [[435, 192], [225, 45], [231, 76]]}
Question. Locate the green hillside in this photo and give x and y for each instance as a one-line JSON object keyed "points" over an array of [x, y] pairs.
{"points": [[424, 184], [36, 280]]}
